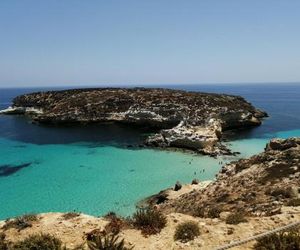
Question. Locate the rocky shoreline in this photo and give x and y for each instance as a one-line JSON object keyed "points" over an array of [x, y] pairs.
{"points": [[259, 186], [188, 120]]}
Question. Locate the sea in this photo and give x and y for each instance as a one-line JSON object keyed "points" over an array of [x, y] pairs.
{"points": [[91, 169]]}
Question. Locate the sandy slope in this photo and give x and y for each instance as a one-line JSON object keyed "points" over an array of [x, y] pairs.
{"points": [[214, 232]]}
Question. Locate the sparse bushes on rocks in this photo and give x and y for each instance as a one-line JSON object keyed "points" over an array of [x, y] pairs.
{"points": [[294, 202], [213, 212], [39, 242], [3, 243], [20, 222], [70, 215], [187, 231], [106, 242], [110, 214], [149, 221], [115, 224], [223, 197], [95, 233], [280, 192], [283, 241], [199, 212], [236, 218]]}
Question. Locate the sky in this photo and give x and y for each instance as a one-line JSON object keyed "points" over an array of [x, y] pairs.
{"points": [[78, 42]]}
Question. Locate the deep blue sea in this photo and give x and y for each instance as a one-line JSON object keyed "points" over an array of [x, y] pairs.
{"points": [[90, 169]]}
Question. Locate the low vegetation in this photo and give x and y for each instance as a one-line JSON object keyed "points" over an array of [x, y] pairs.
{"points": [[39, 241], [213, 212], [70, 215], [294, 202], [149, 221], [281, 192], [199, 212], [283, 241], [20, 222], [107, 242], [187, 231], [115, 225], [3, 243], [236, 218]]}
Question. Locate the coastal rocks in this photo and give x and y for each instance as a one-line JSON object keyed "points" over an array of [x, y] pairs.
{"points": [[259, 186], [195, 182], [13, 111], [195, 138], [280, 144], [189, 120], [178, 186], [20, 111], [171, 194], [155, 199]]}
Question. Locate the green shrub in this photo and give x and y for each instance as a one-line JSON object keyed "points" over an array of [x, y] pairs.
{"points": [[20, 222], [110, 215], [283, 241], [95, 233], [213, 212], [294, 202], [39, 242], [115, 224], [236, 218], [107, 242], [281, 192], [199, 212], [149, 221], [70, 215], [187, 231], [3, 243]]}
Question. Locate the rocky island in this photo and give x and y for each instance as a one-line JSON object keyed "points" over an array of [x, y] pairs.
{"points": [[189, 120]]}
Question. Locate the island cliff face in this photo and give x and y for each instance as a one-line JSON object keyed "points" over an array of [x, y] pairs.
{"points": [[187, 119]]}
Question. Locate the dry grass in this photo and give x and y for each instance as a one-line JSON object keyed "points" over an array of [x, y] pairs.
{"points": [[283, 241], [39, 241], [187, 231], [149, 221], [236, 218], [20, 222]]}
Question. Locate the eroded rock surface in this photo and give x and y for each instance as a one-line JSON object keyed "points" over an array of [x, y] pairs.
{"points": [[187, 119], [259, 186]]}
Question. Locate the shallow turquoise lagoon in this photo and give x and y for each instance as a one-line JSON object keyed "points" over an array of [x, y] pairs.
{"points": [[91, 179], [251, 146], [95, 180]]}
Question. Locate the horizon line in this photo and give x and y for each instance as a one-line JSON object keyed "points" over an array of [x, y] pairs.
{"points": [[124, 85]]}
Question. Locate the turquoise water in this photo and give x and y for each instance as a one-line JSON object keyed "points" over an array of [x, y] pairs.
{"points": [[249, 147], [92, 180], [91, 170]]}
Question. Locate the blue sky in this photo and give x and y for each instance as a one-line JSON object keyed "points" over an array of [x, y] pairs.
{"points": [[72, 42]]}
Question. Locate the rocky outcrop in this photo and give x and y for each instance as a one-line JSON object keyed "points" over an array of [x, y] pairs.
{"points": [[259, 186], [20, 111], [187, 119]]}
